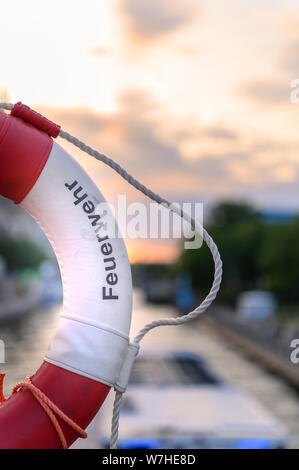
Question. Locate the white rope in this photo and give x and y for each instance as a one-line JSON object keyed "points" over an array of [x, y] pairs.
{"points": [[163, 322], [173, 208], [7, 106]]}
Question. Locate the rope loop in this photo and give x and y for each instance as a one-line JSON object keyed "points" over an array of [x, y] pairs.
{"points": [[51, 410]]}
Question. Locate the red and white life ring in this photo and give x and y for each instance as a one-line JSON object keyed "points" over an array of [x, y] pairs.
{"points": [[86, 353]]}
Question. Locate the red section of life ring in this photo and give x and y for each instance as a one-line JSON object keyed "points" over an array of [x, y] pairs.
{"points": [[24, 151], [25, 425]]}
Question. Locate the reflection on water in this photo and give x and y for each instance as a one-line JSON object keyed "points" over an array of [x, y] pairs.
{"points": [[26, 341]]}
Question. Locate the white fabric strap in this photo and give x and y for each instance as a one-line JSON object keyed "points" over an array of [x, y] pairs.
{"points": [[126, 369]]}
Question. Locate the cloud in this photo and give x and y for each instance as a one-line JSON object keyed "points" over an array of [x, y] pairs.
{"points": [[150, 19], [98, 51], [277, 91], [217, 132], [134, 137], [136, 102], [289, 59], [268, 91]]}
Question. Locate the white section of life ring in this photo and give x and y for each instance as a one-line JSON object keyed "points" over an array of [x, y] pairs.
{"points": [[92, 336]]}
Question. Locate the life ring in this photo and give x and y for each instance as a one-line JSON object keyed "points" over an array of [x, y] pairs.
{"points": [[87, 351]]}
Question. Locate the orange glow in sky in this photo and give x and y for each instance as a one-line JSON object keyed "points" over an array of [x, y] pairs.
{"points": [[194, 100]]}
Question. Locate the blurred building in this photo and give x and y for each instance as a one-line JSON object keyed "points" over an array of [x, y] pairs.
{"points": [[15, 222]]}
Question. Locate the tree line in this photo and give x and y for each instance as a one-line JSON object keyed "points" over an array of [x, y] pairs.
{"points": [[256, 254]]}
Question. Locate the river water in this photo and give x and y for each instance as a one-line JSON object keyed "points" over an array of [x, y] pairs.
{"points": [[26, 341]]}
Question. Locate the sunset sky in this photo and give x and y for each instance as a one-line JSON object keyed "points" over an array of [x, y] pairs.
{"points": [[191, 96]]}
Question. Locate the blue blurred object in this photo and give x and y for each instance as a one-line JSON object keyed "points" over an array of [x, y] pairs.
{"points": [[184, 297], [253, 444], [143, 443]]}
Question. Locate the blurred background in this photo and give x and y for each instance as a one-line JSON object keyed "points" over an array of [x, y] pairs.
{"points": [[194, 99]]}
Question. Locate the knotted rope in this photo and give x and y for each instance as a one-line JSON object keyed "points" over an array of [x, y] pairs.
{"points": [[50, 409]]}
